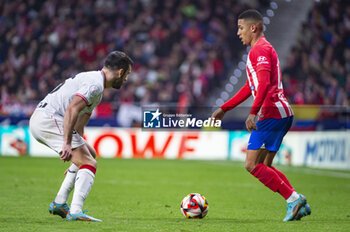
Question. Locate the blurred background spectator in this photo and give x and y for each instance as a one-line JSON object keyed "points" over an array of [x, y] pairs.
{"points": [[318, 68], [181, 48]]}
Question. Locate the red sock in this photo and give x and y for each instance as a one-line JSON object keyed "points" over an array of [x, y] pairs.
{"points": [[89, 167], [283, 177], [270, 179]]}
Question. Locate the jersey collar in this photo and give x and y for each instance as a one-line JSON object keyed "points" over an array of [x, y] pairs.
{"points": [[259, 40], [104, 78]]}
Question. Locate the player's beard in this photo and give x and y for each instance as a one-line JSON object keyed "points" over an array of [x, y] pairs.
{"points": [[117, 84]]}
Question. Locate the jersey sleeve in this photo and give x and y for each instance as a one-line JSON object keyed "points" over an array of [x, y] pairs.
{"points": [[238, 98], [261, 58], [89, 92]]}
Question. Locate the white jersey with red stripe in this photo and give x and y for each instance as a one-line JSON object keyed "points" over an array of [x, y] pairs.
{"points": [[262, 56], [87, 85]]}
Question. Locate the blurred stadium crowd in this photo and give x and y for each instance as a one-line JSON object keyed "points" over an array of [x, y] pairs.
{"points": [[182, 50], [318, 68]]}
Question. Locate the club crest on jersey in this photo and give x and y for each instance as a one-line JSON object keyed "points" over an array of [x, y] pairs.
{"points": [[262, 60], [94, 91]]}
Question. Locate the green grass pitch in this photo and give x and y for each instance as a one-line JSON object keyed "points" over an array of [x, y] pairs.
{"points": [[145, 195]]}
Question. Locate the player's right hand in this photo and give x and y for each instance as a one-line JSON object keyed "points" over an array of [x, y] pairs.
{"points": [[66, 154], [218, 114], [250, 123]]}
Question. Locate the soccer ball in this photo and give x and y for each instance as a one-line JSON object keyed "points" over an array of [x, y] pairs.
{"points": [[194, 205]]}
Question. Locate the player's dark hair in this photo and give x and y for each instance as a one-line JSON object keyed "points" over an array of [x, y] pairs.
{"points": [[118, 60], [251, 14]]}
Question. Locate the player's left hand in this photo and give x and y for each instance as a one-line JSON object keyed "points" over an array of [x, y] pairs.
{"points": [[250, 123]]}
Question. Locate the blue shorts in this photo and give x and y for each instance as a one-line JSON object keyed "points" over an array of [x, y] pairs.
{"points": [[270, 133]]}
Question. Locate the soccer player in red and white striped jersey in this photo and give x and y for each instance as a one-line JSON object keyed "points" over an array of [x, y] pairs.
{"points": [[270, 107]]}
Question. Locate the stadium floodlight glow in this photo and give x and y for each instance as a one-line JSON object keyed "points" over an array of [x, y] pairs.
{"points": [[219, 102], [237, 72], [244, 57], [224, 95], [233, 80], [273, 5], [264, 28], [229, 87], [241, 65], [266, 20], [270, 13]]}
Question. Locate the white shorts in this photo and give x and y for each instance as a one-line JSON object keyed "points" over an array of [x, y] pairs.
{"points": [[48, 130]]}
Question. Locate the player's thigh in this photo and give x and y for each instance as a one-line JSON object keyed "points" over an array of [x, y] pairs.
{"points": [[82, 156], [269, 158], [262, 155], [45, 130], [92, 150], [277, 131], [48, 130]]}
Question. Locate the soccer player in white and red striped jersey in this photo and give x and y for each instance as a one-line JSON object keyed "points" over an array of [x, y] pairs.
{"points": [[59, 120], [270, 107]]}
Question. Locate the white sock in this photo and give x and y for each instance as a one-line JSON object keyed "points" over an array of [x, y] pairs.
{"points": [[83, 183], [67, 185], [293, 197]]}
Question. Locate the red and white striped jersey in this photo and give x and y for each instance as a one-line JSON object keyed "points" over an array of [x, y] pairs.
{"points": [[262, 56]]}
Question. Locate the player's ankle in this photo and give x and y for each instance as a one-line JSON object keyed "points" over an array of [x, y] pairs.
{"points": [[75, 210], [60, 200], [293, 197]]}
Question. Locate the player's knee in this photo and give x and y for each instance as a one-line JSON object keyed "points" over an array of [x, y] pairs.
{"points": [[269, 158], [267, 163], [249, 166], [93, 163], [85, 159]]}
